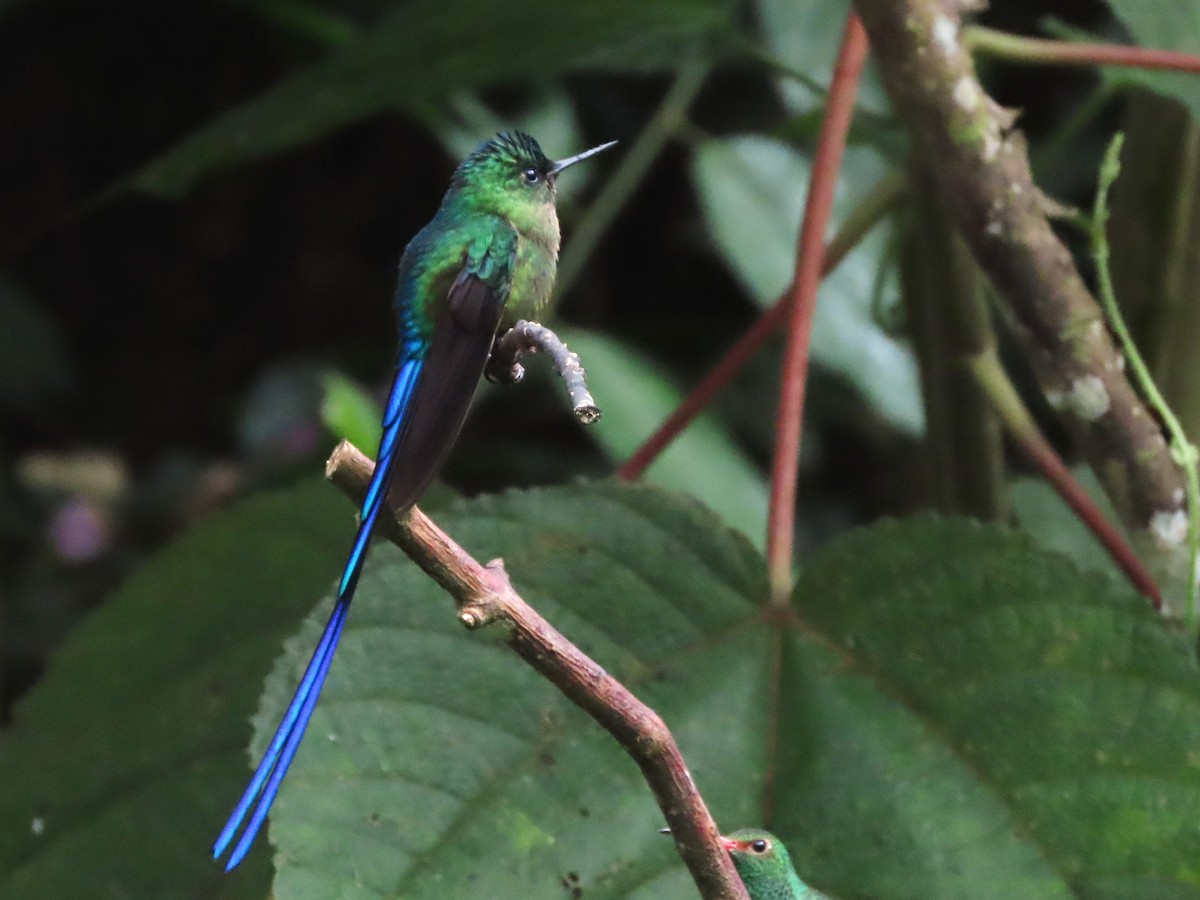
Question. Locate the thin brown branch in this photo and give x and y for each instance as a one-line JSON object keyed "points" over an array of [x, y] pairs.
{"points": [[980, 170], [994, 383], [484, 595], [801, 304], [1042, 51]]}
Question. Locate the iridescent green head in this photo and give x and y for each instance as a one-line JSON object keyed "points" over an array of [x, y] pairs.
{"points": [[765, 867], [510, 176]]}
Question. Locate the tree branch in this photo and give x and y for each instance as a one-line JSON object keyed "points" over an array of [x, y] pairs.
{"points": [[1040, 51], [979, 167], [801, 305], [484, 595], [504, 365]]}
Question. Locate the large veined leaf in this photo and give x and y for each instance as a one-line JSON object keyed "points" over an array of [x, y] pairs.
{"points": [[428, 48], [945, 712], [1162, 25], [122, 763]]}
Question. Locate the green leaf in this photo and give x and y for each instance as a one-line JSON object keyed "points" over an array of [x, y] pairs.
{"points": [[438, 765], [635, 398], [1054, 715], [1049, 521], [1162, 25], [807, 37], [415, 57], [947, 712], [752, 192], [349, 412], [122, 764]]}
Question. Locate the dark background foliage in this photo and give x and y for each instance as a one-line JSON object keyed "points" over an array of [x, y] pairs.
{"points": [[157, 324]]}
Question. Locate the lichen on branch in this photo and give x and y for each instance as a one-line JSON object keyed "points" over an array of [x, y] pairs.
{"points": [[980, 170]]}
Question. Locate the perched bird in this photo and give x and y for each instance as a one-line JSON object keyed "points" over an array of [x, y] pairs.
{"points": [[765, 867], [487, 257]]}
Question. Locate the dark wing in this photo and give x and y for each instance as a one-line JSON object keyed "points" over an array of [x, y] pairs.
{"points": [[457, 352], [432, 389]]}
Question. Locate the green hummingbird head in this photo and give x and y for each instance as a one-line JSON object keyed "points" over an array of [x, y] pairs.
{"points": [[765, 867], [510, 176]]}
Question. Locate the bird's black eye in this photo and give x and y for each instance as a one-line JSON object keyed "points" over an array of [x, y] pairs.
{"points": [[531, 175], [760, 846]]}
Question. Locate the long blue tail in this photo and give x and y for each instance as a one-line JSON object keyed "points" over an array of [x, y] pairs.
{"points": [[263, 787]]}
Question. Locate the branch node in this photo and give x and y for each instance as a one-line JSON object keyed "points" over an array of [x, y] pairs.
{"points": [[499, 573], [505, 367], [474, 616]]}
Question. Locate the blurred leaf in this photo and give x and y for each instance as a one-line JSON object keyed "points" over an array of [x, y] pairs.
{"points": [[752, 191], [957, 714], [311, 21], [704, 461], [350, 412], [280, 404], [417, 56], [123, 762], [1161, 25], [807, 36], [33, 362], [1049, 521]]}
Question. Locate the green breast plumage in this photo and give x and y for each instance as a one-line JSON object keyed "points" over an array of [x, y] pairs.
{"points": [[532, 280]]}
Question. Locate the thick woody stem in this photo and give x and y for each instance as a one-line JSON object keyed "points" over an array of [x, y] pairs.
{"points": [[980, 170], [484, 595], [505, 366]]}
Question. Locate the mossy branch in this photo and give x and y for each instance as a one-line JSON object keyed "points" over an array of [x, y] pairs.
{"points": [[980, 170]]}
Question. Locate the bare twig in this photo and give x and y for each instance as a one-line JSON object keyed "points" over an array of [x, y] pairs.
{"points": [[801, 304], [530, 337], [980, 169], [1040, 51], [484, 595]]}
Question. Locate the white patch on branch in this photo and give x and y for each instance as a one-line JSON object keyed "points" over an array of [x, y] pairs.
{"points": [[945, 35], [966, 93], [1170, 528], [1088, 398]]}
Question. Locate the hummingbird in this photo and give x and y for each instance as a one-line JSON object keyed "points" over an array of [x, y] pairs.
{"points": [[765, 867], [487, 257]]}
